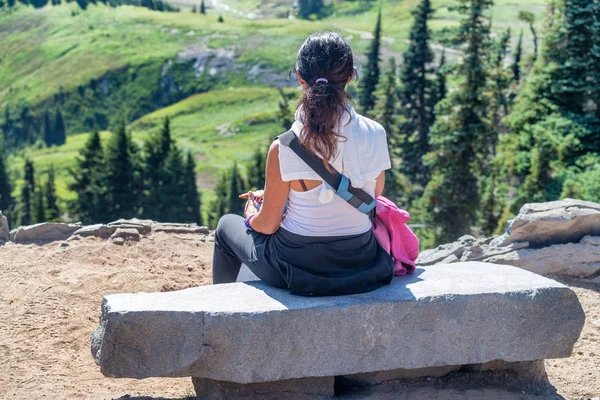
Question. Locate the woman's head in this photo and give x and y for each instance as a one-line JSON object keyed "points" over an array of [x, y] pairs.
{"points": [[325, 65]]}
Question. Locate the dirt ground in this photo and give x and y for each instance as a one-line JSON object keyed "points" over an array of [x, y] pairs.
{"points": [[50, 302]]}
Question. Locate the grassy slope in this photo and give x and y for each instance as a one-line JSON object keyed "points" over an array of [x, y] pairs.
{"points": [[44, 50]]}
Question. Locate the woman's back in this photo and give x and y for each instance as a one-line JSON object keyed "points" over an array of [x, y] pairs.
{"points": [[361, 155]]}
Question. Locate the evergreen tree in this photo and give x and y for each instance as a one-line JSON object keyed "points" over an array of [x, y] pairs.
{"points": [[194, 9], [236, 187], [175, 196], [368, 83], [6, 200], [285, 114], [256, 169], [220, 19], [219, 206], [90, 182], [308, 9], [38, 3], [500, 80], [48, 131], [52, 212], [27, 194], [39, 207], [192, 197], [386, 113], [82, 4], [202, 8], [121, 167], [442, 89], [156, 176], [460, 136], [529, 18], [516, 66], [60, 134], [11, 3], [417, 96]]}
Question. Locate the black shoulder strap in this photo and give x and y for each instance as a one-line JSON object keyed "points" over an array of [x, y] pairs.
{"points": [[358, 198]]}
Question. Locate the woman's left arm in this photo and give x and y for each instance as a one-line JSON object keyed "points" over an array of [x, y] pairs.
{"points": [[268, 219], [380, 184]]}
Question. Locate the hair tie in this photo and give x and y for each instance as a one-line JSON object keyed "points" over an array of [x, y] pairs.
{"points": [[321, 80]]}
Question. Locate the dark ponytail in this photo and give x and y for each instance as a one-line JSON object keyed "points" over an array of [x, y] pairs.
{"points": [[326, 63]]}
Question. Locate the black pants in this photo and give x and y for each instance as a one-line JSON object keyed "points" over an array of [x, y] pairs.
{"points": [[234, 246]]}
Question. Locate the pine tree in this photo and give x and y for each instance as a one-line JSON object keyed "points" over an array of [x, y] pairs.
{"points": [[39, 207], [6, 200], [308, 9], [82, 4], [236, 187], [48, 131], [368, 83], [52, 212], [285, 115], [27, 193], [90, 182], [500, 80], [529, 18], [156, 176], [256, 169], [460, 136], [442, 89], [220, 19], [417, 97], [192, 197], [202, 8], [38, 3], [121, 167], [60, 134], [219, 206], [175, 198], [516, 66]]}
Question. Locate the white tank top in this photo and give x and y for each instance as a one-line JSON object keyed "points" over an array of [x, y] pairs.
{"points": [[362, 154]]}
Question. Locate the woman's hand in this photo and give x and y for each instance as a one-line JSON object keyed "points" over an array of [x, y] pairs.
{"points": [[255, 200]]}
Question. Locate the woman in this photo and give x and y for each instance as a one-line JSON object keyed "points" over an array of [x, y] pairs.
{"points": [[319, 244]]}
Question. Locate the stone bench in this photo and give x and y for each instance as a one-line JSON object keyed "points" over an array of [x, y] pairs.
{"points": [[441, 317]]}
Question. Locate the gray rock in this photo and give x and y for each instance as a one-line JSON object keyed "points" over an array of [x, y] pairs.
{"points": [[293, 389], [572, 259], [143, 226], [98, 230], [4, 229], [180, 228], [44, 232], [118, 241], [442, 252], [554, 222], [126, 234], [467, 313]]}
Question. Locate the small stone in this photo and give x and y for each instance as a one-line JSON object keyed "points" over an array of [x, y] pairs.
{"points": [[118, 241], [63, 244], [126, 234]]}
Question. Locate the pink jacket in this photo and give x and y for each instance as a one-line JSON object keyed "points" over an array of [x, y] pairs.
{"points": [[395, 237]]}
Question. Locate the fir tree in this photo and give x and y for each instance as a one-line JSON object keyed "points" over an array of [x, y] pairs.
{"points": [[82, 4], [175, 197], [256, 169], [60, 134], [442, 89], [529, 18], [417, 96], [500, 81], [48, 131], [308, 9], [192, 197], [285, 115], [52, 212], [202, 8], [368, 83], [89, 182], [156, 176], [516, 66], [38, 3], [460, 135], [39, 207], [220, 19], [236, 187], [6, 200], [219, 206], [121, 167], [27, 194]]}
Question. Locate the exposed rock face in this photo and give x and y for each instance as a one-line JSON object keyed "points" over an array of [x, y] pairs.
{"points": [[143, 226], [44, 232], [558, 237], [98, 230], [466, 313], [4, 230]]}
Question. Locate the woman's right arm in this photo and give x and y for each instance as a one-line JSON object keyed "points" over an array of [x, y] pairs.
{"points": [[380, 184]]}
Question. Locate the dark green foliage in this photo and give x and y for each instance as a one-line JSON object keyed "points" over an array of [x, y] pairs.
{"points": [[194, 9], [56, 2], [38, 3], [39, 208], [27, 195], [442, 89], [418, 96], [461, 137], [499, 84], [529, 18], [11, 3], [52, 212], [219, 206], [310, 9], [285, 114], [202, 8], [122, 178], [174, 205], [192, 197], [82, 4], [370, 78], [60, 134], [220, 19], [256, 168], [6, 200], [47, 130], [516, 66], [90, 182], [236, 187]]}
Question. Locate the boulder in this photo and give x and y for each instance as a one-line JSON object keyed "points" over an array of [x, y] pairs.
{"points": [[180, 228], [465, 313], [554, 222], [143, 226], [448, 252], [43, 233], [98, 230], [4, 230], [123, 234]]}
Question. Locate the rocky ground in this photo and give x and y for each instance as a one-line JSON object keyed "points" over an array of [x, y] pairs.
{"points": [[50, 299]]}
